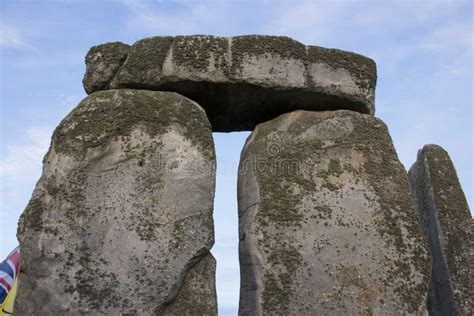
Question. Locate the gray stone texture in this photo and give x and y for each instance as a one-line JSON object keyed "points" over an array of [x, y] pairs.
{"points": [[245, 80], [326, 221], [197, 296], [447, 224], [102, 62], [122, 213]]}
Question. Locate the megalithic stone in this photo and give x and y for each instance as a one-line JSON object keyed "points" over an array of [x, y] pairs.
{"points": [[103, 62], [240, 81], [122, 213], [447, 224], [326, 221]]}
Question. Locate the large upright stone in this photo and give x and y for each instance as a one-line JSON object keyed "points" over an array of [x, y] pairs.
{"points": [[123, 211], [327, 223], [447, 225], [245, 80]]}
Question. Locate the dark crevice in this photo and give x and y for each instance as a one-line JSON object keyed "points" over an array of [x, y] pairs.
{"points": [[239, 106]]}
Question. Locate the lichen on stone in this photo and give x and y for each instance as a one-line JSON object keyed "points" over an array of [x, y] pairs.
{"points": [[195, 52], [105, 115], [344, 158], [255, 45], [361, 67], [145, 60]]}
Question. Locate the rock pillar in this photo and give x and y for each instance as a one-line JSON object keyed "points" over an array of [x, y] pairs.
{"points": [[122, 213], [326, 221], [447, 225]]}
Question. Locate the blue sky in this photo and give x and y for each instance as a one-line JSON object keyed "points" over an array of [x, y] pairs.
{"points": [[423, 50]]}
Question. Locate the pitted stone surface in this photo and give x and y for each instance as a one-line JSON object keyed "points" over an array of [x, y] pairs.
{"points": [[198, 291], [123, 209], [246, 80], [326, 221], [447, 224], [102, 62]]}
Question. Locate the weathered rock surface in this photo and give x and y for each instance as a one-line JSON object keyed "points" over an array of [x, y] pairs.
{"points": [[447, 225], [244, 80], [197, 295], [102, 62], [122, 211], [327, 223]]}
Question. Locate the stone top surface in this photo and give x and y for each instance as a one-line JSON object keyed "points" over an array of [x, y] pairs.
{"points": [[240, 81]]}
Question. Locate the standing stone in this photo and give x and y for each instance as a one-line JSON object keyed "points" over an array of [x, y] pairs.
{"points": [[123, 211], [326, 221], [244, 80], [447, 224]]}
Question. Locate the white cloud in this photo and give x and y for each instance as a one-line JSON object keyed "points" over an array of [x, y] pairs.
{"points": [[147, 18], [221, 18], [454, 37], [11, 37], [24, 160], [20, 168]]}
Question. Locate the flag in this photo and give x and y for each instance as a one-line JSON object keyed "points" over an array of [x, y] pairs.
{"points": [[9, 269]]}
